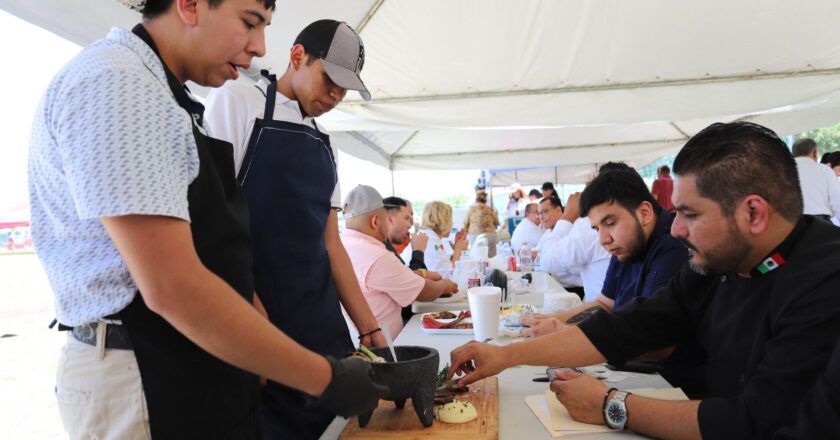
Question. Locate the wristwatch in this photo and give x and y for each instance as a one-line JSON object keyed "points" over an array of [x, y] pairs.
{"points": [[615, 412], [422, 272]]}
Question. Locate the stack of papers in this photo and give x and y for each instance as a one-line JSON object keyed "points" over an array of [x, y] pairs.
{"points": [[557, 420]]}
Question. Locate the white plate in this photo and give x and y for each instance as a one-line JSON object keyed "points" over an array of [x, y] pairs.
{"points": [[458, 297], [446, 331]]}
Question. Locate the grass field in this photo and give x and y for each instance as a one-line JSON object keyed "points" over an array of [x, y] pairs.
{"points": [[28, 351]]}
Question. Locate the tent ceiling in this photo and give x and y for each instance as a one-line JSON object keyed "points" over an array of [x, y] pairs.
{"points": [[523, 83]]}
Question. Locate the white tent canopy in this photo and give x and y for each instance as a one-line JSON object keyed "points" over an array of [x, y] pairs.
{"points": [[515, 83]]}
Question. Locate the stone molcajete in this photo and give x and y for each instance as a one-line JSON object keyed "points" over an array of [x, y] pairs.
{"points": [[412, 377]]}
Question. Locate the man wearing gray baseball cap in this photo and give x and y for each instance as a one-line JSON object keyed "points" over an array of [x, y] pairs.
{"points": [[287, 169], [388, 285]]}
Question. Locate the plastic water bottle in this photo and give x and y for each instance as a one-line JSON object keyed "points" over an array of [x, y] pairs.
{"points": [[525, 263]]}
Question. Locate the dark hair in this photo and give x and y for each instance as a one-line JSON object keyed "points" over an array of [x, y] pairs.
{"points": [[664, 169], [613, 166], [834, 159], [555, 201], [535, 192], [622, 186], [395, 201], [804, 147], [734, 160], [154, 8], [826, 158], [531, 207], [547, 185]]}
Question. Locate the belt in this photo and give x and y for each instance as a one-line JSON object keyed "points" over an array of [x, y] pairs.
{"points": [[116, 336]]}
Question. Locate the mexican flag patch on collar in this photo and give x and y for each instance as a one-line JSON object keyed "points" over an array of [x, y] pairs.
{"points": [[770, 264]]}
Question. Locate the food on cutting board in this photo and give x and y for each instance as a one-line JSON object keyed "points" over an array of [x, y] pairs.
{"points": [[456, 411], [445, 390]]}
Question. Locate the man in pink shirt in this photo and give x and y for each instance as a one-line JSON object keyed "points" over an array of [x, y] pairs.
{"points": [[663, 186], [386, 284]]}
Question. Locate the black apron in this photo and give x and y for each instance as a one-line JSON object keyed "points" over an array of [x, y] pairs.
{"points": [[190, 393], [288, 175]]}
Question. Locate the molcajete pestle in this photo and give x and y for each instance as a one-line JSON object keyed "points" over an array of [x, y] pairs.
{"points": [[412, 377]]}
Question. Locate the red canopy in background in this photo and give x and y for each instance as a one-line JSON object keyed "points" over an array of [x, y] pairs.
{"points": [[16, 216], [4, 225]]}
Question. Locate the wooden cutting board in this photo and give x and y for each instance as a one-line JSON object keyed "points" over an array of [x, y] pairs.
{"points": [[388, 422]]}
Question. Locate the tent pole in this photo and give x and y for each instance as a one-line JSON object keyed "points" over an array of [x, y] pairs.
{"points": [[393, 191]]}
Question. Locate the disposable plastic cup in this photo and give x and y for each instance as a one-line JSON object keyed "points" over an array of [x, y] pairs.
{"points": [[540, 280], [485, 302]]}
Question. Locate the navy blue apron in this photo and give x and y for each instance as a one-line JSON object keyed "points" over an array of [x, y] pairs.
{"points": [[288, 175], [191, 394]]}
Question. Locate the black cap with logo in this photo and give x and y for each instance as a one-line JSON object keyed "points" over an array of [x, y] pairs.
{"points": [[341, 52]]}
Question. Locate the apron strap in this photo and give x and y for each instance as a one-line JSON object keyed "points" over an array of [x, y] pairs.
{"points": [[195, 109], [270, 95]]}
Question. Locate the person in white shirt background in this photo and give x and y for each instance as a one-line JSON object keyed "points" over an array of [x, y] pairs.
{"points": [[437, 225], [572, 247], [516, 201], [528, 230], [551, 209], [820, 187]]}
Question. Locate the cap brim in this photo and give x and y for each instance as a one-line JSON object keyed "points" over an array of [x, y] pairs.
{"points": [[136, 5], [346, 78]]}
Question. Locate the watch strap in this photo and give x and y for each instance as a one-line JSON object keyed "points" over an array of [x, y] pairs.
{"points": [[604, 405]]}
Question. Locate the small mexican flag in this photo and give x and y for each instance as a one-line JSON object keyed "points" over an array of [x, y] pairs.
{"points": [[772, 263]]}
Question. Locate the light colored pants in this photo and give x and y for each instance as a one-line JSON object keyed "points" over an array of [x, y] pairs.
{"points": [[100, 398]]}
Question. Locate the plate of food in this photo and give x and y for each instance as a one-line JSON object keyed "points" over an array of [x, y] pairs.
{"points": [[447, 323]]}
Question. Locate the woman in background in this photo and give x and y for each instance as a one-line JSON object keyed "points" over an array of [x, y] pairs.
{"points": [[481, 219], [437, 225]]}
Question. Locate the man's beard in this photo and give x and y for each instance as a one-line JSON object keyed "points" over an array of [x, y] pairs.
{"points": [[725, 257], [398, 238], [636, 248]]}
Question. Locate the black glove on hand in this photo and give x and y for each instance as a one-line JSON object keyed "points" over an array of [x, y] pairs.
{"points": [[352, 390]]}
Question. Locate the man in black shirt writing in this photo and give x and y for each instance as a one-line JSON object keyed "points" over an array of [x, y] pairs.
{"points": [[759, 294]]}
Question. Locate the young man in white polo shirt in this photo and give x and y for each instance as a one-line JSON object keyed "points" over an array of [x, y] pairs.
{"points": [[287, 169], [129, 195]]}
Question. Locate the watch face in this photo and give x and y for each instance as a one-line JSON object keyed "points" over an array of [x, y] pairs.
{"points": [[616, 413]]}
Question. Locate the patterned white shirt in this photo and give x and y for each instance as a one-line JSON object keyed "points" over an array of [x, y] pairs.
{"points": [[108, 139]]}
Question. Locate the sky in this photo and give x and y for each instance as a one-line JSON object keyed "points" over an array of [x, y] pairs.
{"points": [[30, 67], [44, 54]]}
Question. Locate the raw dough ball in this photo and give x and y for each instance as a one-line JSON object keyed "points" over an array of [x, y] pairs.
{"points": [[456, 411]]}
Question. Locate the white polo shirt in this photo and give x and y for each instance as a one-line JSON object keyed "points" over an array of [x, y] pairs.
{"points": [[108, 139], [820, 188], [435, 255], [232, 110], [574, 249], [526, 232]]}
